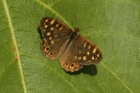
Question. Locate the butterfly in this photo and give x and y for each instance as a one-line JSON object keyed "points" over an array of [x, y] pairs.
{"points": [[74, 49]]}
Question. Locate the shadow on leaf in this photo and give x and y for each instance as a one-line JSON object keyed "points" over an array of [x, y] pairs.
{"points": [[39, 31]]}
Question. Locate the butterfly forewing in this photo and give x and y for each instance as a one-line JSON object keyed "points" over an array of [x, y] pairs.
{"points": [[55, 36], [88, 51]]}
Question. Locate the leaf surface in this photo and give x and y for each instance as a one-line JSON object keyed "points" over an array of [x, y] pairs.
{"points": [[114, 26]]}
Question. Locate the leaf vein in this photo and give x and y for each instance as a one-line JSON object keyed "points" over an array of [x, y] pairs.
{"points": [[15, 43], [59, 75], [116, 77], [53, 11]]}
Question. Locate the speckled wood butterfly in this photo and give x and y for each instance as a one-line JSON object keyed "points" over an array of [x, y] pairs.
{"points": [[75, 50]]}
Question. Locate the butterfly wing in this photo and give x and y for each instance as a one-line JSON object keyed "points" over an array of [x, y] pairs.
{"points": [[55, 37], [80, 52]]}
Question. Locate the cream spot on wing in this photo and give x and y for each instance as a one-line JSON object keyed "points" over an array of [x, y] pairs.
{"points": [[92, 57], [88, 53], [57, 25], [84, 58], [75, 57], [46, 21], [52, 41], [61, 28], [48, 33], [98, 55], [50, 38], [51, 28], [89, 46], [94, 50], [46, 26], [85, 44], [79, 58], [52, 21]]}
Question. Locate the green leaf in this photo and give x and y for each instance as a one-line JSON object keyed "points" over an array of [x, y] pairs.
{"points": [[113, 25]]}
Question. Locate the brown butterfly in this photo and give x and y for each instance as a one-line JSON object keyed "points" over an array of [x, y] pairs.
{"points": [[75, 50]]}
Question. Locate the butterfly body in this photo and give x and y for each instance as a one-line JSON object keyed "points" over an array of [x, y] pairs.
{"points": [[74, 49]]}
